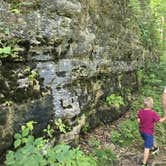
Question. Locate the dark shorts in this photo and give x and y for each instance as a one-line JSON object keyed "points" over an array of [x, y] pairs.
{"points": [[148, 140]]}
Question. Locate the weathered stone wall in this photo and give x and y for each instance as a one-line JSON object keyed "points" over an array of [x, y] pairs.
{"points": [[82, 51]]}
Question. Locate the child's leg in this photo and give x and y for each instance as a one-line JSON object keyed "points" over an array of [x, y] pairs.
{"points": [[146, 155], [155, 147], [148, 143], [154, 142]]}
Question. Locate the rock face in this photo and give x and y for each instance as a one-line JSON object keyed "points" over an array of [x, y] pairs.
{"points": [[67, 56]]}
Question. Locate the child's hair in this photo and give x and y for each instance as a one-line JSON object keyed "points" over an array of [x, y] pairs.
{"points": [[148, 102]]}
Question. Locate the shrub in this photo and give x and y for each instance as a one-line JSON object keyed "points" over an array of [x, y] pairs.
{"points": [[30, 151], [114, 100], [126, 133], [105, 157]]}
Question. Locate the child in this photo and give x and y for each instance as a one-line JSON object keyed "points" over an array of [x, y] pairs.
{"points": [[146, 119]]}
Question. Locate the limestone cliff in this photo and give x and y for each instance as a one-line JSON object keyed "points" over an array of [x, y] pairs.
{"points": [[67, 56]]}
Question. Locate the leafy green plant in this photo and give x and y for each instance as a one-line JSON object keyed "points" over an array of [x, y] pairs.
{"points": [[135, 6], [126, 133], [8, 103], [105, 157], [17, 11], [149, 31], [129, 130], [93, 142], [152, 85], [60, 125], [85, 128], [27, 69], [116, 137], [36, 152], [64, 156], [114, 100], [32, 75], [5, 52], [49, 131], [158, 12], [140, 76], [24, 137], [3, 29], [8, 46], [15, 7], [5, 49]]}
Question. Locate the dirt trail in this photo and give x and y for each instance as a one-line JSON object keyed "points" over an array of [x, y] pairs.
{"points": [[126, 156], [134, 159]]}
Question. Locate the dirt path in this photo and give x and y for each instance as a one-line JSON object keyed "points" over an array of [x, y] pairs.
{"points": [[126, 156], [134, 159]]}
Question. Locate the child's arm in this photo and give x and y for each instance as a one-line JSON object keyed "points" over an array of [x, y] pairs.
{"points": [[162, 119], [138, 119]]}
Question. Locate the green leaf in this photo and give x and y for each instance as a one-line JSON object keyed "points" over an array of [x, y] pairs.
{"points": [[17, 136], [10, 158], [30, 125], [27, 3], [7, 50], [48, 127], [39, 142], [25, 132], [17, 143], [24, 140], [15, 11], [30, 140], [23, 127]]}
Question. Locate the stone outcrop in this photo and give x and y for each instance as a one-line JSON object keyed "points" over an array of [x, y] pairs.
{"points": [[67, 56]]}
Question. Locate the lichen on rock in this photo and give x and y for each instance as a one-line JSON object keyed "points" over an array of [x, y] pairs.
{"points": [[81, 51]]}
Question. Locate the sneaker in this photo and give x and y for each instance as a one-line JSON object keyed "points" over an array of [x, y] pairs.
{"points": [[144, 164], [154, 150]]}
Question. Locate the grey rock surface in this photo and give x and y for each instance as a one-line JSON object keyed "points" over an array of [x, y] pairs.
{"points": [[82, 51]]}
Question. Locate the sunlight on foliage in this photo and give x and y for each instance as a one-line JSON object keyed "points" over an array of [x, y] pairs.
{"points": [[31, 151], [5, 52], [114, 100], [60, 125], [152, 81]]}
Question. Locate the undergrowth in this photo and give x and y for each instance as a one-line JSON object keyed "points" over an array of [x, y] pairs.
{"points": [[152, 84], [31, 151]]}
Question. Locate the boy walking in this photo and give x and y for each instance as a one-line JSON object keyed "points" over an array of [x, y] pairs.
{"points": [[146, 119]]}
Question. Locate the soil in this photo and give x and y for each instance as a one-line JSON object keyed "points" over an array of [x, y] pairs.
{"points": [[126, 156]]}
